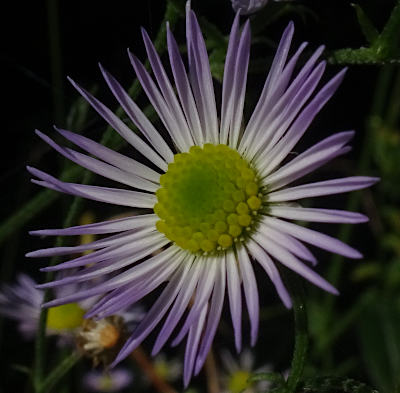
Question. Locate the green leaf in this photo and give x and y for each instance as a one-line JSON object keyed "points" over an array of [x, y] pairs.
{"points": [[379, 333], [333, 384], [368, 29], [390, 35]]}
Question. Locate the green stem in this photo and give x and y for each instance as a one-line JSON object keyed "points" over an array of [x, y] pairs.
{"points": [[58, 372], [40, 343], [301, 332], [55, 59]]}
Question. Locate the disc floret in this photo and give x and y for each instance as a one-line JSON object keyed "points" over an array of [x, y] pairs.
{"points": [[209, 199]]}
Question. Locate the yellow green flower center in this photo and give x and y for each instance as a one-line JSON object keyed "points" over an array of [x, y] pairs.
{"points": [[65, 317], [209, 199], [238, 381]]}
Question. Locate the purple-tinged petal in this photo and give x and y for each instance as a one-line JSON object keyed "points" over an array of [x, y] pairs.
{"points": [[289, 260], [283, 105], [326, 187], [146, 248], [99, 228], [114, 196], [317, 215], [110, 156], [200, 78], [181, 304], [134, 273], [280, 120], [184, 90], [313, 237], [166, 88], [214, 315], [192, 345], [273, 77], [250, 292], [293, 245], [245, 7], [122, 128], [119, 239], [157, 311], [138, 117], [139, 286], [235, 298], [160, 105], [309, 160], [239, 85], [234, 84], [300, 125], [204, 288], [101, 168], [268, 265], [227, 83]]}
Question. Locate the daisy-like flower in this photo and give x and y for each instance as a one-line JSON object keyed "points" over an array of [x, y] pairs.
{"points": [[22, 302], [110, 381], [236, 378], [246, 7], [218, 199], [169, 369]]}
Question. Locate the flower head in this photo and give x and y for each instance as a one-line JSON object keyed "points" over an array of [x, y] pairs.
{"points": [[110, 381], [21, 302], [246, 7], [236, 378], [216, 193]]}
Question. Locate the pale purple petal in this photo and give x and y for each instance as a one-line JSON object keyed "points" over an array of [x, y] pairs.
{"points": [[289, 260], [300, 125], [186, 292], [101, 168], [192, 345], [205, 285], [235, 298], [313, 237], [229, 69], [114, 196], [273, 76], [200, 78], [245, 7], [180, 139], [326, 187], [166, 88], [294, 246], [214, 315], [122, 128], [309, 160], [119, 239], [98, 228], [110, 156], [158, 310], [138, 117], [268, 265], [280, 119], [250, 292], [133, 274], [317, 215], [184, 90]]}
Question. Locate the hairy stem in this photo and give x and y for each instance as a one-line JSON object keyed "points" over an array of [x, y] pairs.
{"points": [[301, 332]]}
